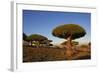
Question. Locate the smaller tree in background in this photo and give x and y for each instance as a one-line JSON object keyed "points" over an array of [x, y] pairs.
{"points": [[36, 39], [25, 37], [74, 43]]}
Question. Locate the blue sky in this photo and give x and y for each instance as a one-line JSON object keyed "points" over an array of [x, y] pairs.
{"points": [[43, 22]]}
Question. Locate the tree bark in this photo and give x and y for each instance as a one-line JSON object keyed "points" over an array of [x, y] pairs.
{"points": [[69, 51], [69, 44]]}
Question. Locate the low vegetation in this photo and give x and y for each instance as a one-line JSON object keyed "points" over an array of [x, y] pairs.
{"points": [[38, 54]]}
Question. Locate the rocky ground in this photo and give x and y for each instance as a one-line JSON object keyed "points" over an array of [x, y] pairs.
{"points": [[38, 54]]}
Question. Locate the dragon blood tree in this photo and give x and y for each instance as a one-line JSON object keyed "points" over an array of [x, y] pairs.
{"points": [[36, 37], [69, 32]]}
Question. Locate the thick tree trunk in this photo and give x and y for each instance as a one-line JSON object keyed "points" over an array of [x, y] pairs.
{"points": [[69, 44], [69, 51]]}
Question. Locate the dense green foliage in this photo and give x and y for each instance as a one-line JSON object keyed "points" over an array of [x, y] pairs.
{"points": [[38, 40], [36, 37], [66, 30], [73, 43]]}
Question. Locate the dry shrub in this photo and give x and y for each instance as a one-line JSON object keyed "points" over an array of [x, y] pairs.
{"points": [[84, 48]]}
